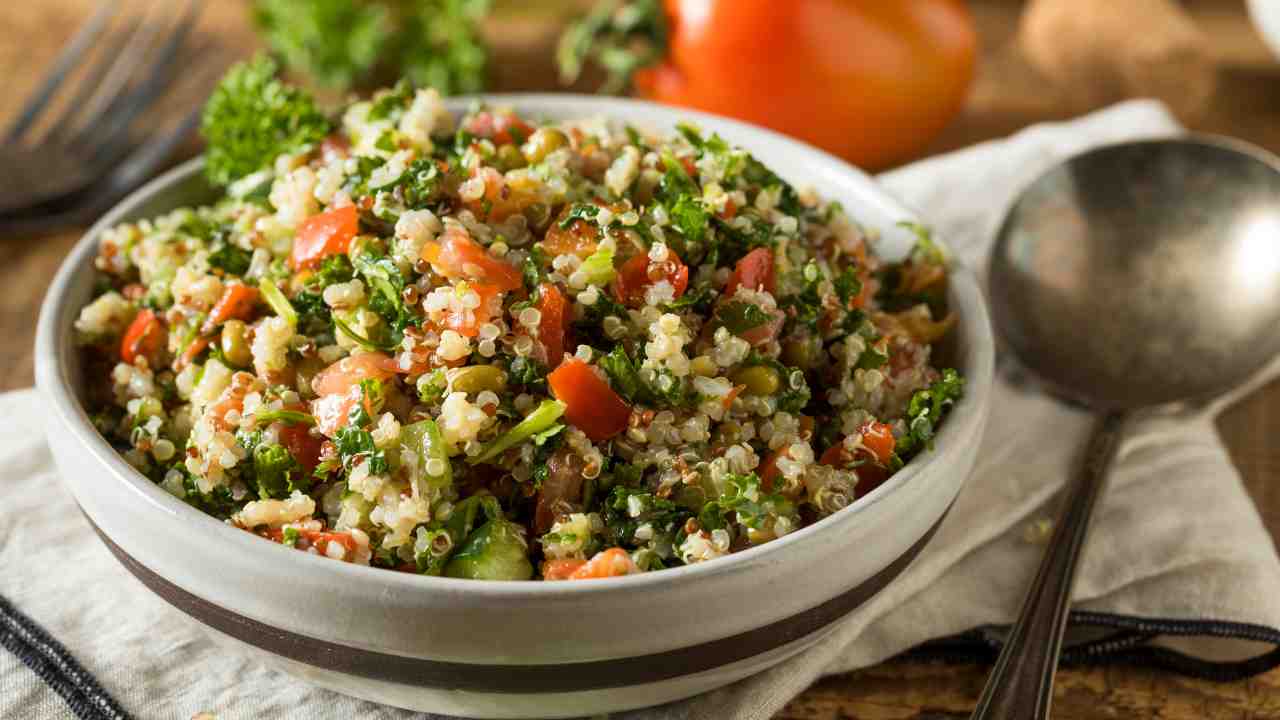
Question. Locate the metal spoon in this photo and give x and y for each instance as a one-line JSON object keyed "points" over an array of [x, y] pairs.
{"points": [[1128, 277]]}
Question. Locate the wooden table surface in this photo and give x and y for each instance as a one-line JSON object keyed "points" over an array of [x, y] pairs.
{"points": [[1007, 95]]}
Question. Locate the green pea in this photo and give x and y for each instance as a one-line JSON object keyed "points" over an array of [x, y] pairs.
{"points": [[758, 379], [235, 347], [798, 353]]}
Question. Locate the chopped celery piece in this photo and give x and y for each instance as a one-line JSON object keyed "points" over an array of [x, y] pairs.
{"points": [[541, 419], [432, 472], [495, 551], [278, 302], [288, 417], [598, 267]]}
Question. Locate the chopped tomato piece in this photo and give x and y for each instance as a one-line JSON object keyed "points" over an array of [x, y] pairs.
{"points": [[769, 471], [877, 437], [591, 405], [637, 274], [871, 477], [877, 443], [468, 321], [301, 444], [231, 399], [755, 270], [145, 337], [334, 386], [501, 128], [318, 539], [501, 199], [554, 324], [237, 303], [457, 256], [730, 209], [562, 569], [877, 448], [580, 238], [836, 456], [322, 539], [614, 562], [687, 163], [333, 412], [325, 234], [561, 491], [341, 376]]}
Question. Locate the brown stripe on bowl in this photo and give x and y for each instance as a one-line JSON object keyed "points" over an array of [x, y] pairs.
{"points": [[530, 679]]}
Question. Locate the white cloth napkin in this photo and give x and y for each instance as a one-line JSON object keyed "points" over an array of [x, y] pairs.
{"points": [[1176, 538]]}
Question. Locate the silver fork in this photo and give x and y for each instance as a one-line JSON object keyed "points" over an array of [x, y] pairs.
{"points": [[55, 162]]}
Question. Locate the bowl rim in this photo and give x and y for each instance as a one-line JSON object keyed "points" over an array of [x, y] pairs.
{"points": [[54, 381]]}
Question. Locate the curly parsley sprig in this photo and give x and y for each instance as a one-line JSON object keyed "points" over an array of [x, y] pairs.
{"points": [[351, 43], [252, 117]]}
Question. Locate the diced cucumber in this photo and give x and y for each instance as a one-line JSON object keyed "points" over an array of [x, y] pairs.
{"points": [[495, 551]]}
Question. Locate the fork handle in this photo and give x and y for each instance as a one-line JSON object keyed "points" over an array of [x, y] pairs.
{"points": [[1020, 686]]}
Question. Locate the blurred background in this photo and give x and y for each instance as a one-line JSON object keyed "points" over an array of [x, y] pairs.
{"points": [[1031, 60], [880, 82]]}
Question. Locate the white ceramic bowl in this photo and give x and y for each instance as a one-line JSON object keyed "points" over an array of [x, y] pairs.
{"points": [[493, 649]]}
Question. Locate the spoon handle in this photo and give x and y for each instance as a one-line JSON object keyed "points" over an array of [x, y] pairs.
{"points": [[1020, 686]]}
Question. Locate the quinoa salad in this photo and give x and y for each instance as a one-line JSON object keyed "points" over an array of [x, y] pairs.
{"points": [[490, 346]]}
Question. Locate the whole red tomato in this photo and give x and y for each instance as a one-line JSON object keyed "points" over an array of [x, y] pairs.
{"points": [[870, 80]]}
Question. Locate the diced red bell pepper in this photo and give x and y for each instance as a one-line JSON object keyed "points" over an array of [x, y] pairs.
{"points": [[237, 302], [590, 404], [554, 324], [145, 337]]}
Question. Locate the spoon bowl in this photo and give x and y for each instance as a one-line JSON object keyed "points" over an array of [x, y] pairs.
{"points": [[1144, 273], [1133, 275]]}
